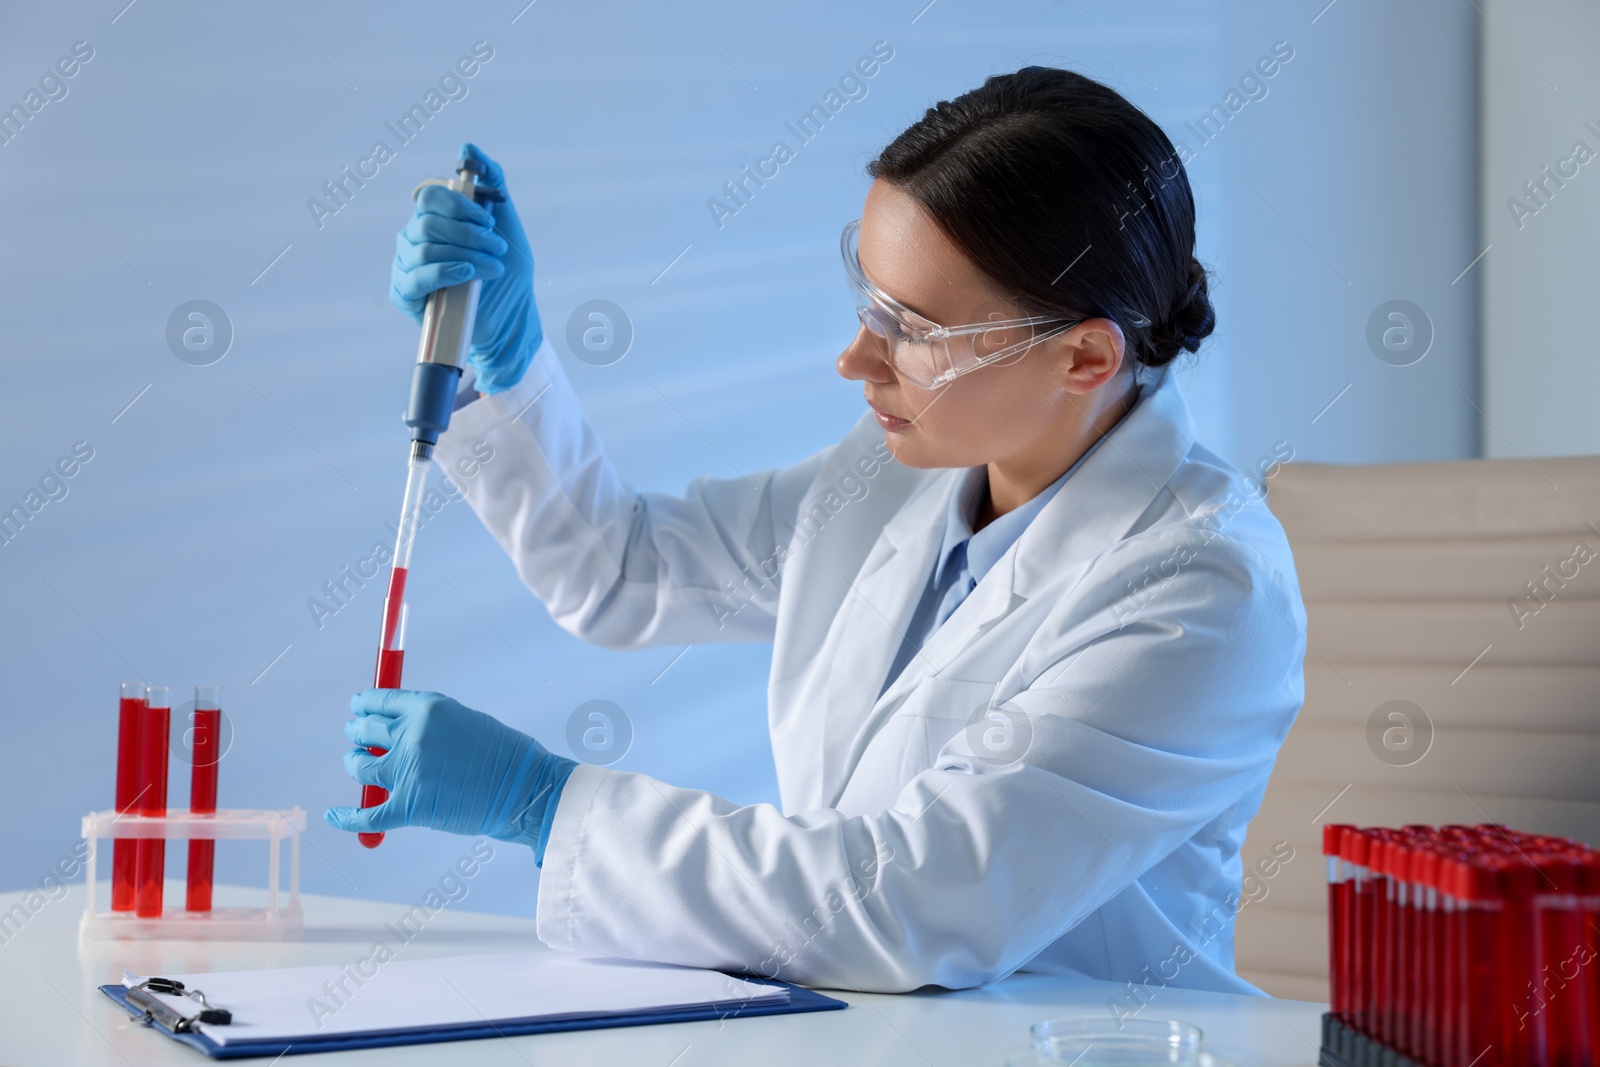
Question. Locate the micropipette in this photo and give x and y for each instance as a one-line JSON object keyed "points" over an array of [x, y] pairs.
{"points": [[446, 332]]}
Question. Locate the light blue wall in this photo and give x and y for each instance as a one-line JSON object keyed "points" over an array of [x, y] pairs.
{"points": [[1353, 183], [1541, 87], [179, 164]]}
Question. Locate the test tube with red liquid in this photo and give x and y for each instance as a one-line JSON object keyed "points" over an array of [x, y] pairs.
{"points": [[206, 751], [391, 641], [1559, 966], [1518, 1001], [391, 660], [1379, 993], [155, 731], [130, 710], [1426, 1014], [1339, 886], [1447, 1013], [1403, 977], [1357, 847], [1589, 919]]}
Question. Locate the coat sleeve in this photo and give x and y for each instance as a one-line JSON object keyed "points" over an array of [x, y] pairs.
{"points": [[1146, 720], [615, 566]]}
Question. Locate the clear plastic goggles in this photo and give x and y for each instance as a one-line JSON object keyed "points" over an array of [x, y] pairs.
{"points": [[930, 355]]}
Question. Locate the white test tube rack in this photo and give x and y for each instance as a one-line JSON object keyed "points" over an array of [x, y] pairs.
{"points": [[271, 923]]}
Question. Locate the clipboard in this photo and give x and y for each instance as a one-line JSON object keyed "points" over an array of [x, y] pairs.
{"points": [[179, 1025]]}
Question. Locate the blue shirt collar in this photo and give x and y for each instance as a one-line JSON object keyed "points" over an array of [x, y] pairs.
{"points": [[984, 548]]}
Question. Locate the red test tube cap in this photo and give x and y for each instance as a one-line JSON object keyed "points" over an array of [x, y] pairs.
{"points": [[1358, 847], [1589, 872], [1425, 866], [1480, 879], [1518, 879], [1400, 855], [1558, 872], [1383, 850]]}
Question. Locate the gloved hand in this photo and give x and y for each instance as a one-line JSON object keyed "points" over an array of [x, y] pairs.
{"points": [[449, 768], [451, 240]]}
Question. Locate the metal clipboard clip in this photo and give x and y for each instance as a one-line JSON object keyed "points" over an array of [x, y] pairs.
{"points": [[157, 1013]]}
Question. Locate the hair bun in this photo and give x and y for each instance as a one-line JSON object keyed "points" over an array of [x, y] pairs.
{"points": [[1190, 322]]}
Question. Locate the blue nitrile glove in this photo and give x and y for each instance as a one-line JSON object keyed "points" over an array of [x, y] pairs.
{"points": [[449, 768], [450, 240]]}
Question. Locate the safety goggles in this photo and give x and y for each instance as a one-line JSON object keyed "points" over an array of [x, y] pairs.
{"points": [[929, 355]]}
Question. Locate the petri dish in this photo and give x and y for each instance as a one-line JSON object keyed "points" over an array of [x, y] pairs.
{"points": [[1097, 1041]]}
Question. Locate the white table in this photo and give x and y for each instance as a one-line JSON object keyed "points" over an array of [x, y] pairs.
{"points": [[52, 1014]]}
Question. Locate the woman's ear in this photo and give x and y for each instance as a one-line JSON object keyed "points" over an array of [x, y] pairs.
{"points": [[1089, 355]]}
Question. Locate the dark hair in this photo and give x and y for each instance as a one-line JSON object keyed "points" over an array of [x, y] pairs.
{"points": [[1067, 195]]}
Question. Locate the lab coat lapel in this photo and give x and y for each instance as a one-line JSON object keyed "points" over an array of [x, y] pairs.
{"points": [[991, 600], [875, 616]]}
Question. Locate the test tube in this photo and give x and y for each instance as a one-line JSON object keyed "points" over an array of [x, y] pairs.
{"points": [[1358, 847], [1519, 1001], [1380, 992], [1446, 1018], [154, 745], [1559, 961], [391, 660], [1431, 917], [206, 752], [129, 707], [1338, 919], [1402, 962], [1589, 919]]}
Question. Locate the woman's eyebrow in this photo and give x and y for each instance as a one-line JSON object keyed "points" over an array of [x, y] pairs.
{"points": [[903, 303]]}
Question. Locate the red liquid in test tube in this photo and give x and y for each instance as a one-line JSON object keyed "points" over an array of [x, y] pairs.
{"points": [[130, 708], [1518, 997], [206, 752], [151, 853], [1559, 964], [1403, 967], [391, 660], [1448, 878], [1380, 995], [1427, 1024], [1479, 924], [1358, 845], [1588, 983], [1339, 886]]}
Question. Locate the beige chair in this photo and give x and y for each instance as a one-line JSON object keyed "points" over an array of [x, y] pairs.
{"points": [[1470, 590]]}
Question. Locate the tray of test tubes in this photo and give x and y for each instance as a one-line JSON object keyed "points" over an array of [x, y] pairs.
{"points": [[141, 824], [281, 917], [1456, 945]]}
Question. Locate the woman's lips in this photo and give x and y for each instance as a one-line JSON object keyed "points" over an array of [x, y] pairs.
{"points": [[888, 421]]}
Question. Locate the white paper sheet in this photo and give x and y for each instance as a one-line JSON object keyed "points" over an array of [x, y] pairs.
{"points": [[368, 996]]}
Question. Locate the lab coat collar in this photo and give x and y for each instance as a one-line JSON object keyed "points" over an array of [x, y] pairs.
{"points": [[1100, 504], [1093, 509]]}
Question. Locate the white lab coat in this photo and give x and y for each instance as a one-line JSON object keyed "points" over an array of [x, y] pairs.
{"points": [[1060, 781]]}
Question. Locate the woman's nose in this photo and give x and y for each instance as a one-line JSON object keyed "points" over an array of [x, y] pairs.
{"points": [[865, 359]]}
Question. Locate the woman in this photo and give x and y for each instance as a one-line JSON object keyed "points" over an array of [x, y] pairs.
{"points": [[1034, 648]]}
